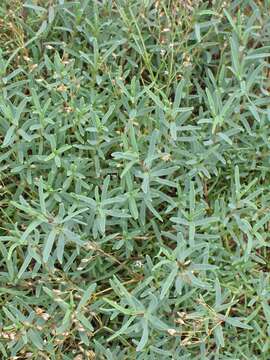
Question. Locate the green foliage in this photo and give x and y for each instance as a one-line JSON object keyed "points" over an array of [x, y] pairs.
{"points": [[134, 179]]}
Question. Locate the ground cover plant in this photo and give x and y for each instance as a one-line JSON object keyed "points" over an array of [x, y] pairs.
{"points": [[134, 184]]}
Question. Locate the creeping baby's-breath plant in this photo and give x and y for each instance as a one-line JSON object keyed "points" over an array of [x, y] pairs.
{"points": [[134, 179]]}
